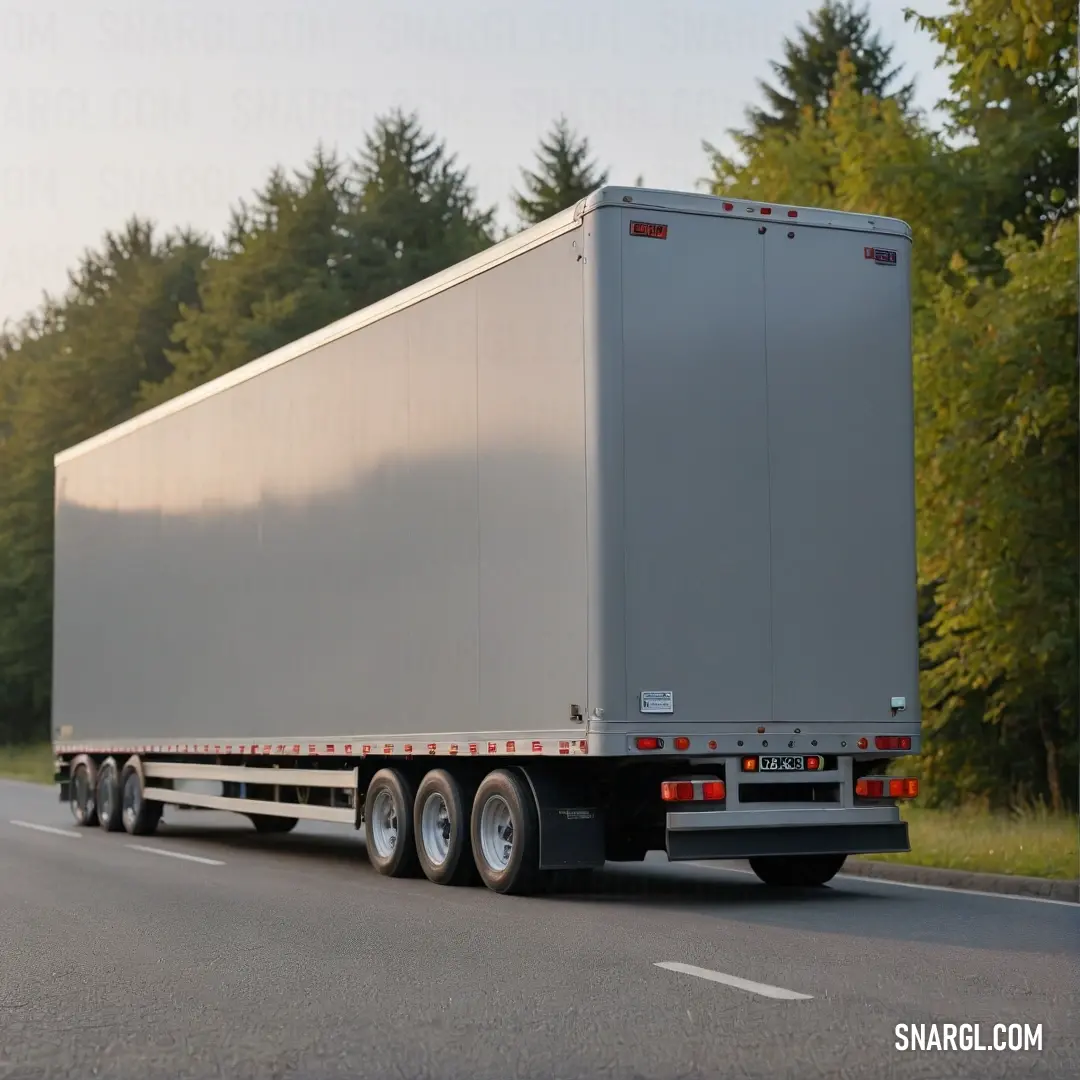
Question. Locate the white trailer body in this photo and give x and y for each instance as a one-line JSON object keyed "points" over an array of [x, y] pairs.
{"points": [[625, 498]]}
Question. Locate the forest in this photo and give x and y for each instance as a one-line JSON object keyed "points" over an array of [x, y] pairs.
{"points": [[989, 186]]}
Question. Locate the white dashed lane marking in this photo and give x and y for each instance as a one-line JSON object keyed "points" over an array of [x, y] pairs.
{"points": [[176, 855], [762, 989], [48, 829]]}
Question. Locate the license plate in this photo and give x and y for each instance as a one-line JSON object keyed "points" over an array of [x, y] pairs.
{"points": [[782, 764]]}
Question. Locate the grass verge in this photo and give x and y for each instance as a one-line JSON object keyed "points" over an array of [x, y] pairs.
{"points": [[1031, 842], [33, 762]]}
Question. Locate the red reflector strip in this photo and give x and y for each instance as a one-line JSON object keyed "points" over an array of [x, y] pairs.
{"points": [[892, 742], [648, 742]]}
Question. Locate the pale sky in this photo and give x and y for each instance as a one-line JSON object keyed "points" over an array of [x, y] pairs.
{"points": [[174, 109]]}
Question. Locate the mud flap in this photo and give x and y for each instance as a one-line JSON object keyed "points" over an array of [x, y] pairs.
{"points": [[571, 824]]}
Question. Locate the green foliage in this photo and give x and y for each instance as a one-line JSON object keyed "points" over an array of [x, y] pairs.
{"points": [[1012, 109], [564, 175], [998, 472]]}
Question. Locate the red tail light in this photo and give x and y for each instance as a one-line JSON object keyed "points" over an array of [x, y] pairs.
{"points": [[677, 791], [891, 787], [648, 742], [713, 790]]}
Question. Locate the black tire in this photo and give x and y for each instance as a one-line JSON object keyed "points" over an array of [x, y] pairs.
{"points": [[519, 873], [83, 796], [272, 825], [442, 799], [140, 816], [108, 796], [388, 825], [797, 871]]}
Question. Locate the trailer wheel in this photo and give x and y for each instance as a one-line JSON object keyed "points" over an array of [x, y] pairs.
{"points": [[271, 824], [797, 870], [108, 796], [83, 797], [506, 834], [140, 816], [388, 824], [441, 825]]}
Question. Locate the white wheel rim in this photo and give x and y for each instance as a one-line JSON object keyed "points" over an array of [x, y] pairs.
{"points": [[384, 824], [435, 828], [496, 833]]}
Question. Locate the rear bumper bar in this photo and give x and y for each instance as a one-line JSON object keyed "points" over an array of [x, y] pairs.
{"points": [[742, 834]]}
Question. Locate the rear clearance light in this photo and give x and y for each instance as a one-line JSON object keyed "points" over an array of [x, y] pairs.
{"points": [[729, 206], [693, 790], [649, 742], [892, 742], [887, 787], [793, 213], [813, 763], [766, 209], [682, 743]]}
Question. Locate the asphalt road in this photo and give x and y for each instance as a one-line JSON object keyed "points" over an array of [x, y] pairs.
{"points": [[288, 957]]}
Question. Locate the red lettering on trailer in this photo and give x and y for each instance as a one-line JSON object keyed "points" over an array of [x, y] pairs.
{"points": [[348, 748], [564, 748], [312, 748], [538, 747], [296, 749], [473, 749], [649, 229], [228, 748], [268, 749], [493, 748], [365, 749], [584, 746], [431, 748], [280, 748], [511, 747], [330, 748], [388, 749], [453, 748]]}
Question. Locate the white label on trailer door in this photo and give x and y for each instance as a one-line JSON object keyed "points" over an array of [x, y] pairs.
{"points": [[657, 701]]}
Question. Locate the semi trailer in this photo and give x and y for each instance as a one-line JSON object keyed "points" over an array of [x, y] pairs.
{"points": [[601, 542]]}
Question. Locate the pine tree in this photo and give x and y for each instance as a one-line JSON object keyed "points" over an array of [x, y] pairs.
{"points": [[416, 212], [808, 71], [564, 175]]}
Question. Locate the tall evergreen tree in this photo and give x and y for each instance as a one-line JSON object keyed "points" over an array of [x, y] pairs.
{"points": [[285, 269], [416, 212], [806, 75], [564, 175]]}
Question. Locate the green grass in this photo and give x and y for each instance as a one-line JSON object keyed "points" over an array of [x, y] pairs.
{"points": [[1031, 842], [33, 763]]}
